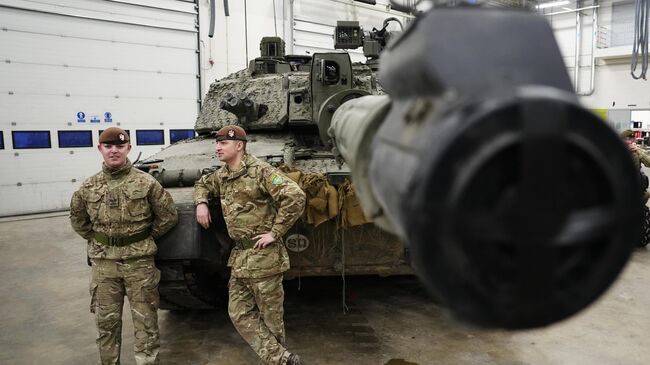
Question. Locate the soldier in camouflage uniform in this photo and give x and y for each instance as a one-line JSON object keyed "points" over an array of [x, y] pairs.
{"points": [[120, 211], [640, 157], [259, 206]]}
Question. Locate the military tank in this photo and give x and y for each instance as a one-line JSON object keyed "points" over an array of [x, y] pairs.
{"points": [[516, 206], [280, 100]]}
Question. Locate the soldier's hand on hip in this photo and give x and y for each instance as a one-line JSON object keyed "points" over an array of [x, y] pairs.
{"points": [[203, 215], [263, 240]]}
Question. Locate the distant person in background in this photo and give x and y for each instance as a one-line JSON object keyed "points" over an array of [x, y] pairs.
{"points": [[120, 211], [640, 156]]}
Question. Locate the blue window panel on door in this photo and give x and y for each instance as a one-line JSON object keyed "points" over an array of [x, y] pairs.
{"points": [[31, 139], [2, 141], [176, 135], [149, 137], [69, 139]]}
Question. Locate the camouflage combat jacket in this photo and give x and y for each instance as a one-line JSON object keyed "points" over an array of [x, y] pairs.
{"points": [[255, 199], [121, 202], [640, 156]]}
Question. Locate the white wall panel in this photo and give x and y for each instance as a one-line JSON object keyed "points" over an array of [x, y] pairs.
{"points": [[614, 86], [57, 111], [135, 59], [113, 12], [74, 52], [25, 79]]}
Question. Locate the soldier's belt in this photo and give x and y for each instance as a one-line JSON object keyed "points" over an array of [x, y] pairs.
{"points": [[121, 241], [245, 244]]}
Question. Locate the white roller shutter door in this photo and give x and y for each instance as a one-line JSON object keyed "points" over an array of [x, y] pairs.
{"points": [[72, 66]]}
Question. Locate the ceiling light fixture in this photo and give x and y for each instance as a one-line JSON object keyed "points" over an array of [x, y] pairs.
{"points": [[552, 4]]}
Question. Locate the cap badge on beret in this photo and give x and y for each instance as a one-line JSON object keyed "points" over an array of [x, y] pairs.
{"points": [[231, 133], [121, 137]]}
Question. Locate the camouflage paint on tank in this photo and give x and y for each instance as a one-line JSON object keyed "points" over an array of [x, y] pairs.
{"points": [[299, 97], [266, 89], [365, 79]]}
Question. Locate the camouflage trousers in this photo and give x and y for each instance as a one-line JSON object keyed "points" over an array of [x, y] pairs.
{"points": [[138, 279], [256, 309]]}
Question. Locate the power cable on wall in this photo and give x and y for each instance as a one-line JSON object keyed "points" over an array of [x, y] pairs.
{"points": [[226, 10], [225, 28], [210, 60], [246, 30], [640, 46]]}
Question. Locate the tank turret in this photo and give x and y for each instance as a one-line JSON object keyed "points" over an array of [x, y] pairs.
{"points": [[516, 206]]}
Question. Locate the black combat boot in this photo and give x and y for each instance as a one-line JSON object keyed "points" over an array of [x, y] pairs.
{"points": [[293, 360]]}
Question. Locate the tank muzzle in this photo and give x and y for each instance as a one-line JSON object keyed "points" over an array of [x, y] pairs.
{"points": [[519, 212]]}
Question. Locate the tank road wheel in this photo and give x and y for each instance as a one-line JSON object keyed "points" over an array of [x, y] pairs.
{"points": [[192, 262], [192, 285]]}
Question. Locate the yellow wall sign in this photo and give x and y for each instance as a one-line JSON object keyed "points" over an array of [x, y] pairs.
{"points": [[601, 113]]}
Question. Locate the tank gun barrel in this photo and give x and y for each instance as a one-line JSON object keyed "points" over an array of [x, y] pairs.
{"points": [[519, 206]]}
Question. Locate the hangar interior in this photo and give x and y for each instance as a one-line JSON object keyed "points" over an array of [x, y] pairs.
{"points": [[71, 68]]}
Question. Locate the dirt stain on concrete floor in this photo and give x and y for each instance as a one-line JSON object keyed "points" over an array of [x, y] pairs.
{"points": [[399, 362]]}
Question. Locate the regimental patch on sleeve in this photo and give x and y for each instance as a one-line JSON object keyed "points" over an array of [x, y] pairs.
{"points": [[276, 179]]}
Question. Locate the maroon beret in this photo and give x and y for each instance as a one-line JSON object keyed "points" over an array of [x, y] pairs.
{"points": [[231, 132], [628, 133], [114, 135]]}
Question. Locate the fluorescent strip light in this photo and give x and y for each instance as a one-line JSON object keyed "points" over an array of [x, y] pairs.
{"points": [[553, 4]]}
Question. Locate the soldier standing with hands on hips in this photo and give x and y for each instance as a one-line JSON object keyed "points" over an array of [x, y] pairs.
{"points": [[259, 206], [120, 211]]}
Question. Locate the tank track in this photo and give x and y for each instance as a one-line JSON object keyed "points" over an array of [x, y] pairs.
{"points": [[645, 238], [180, 288]]}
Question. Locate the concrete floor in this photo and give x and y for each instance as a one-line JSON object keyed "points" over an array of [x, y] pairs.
{"points": [[45, 319]]}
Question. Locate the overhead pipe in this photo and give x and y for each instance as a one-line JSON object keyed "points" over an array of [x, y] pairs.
{"points": [[404, 10], [246, 30], [212, 18], [291, 26], [594, 37], [576, 61], [199, 99], [572, 10]]}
